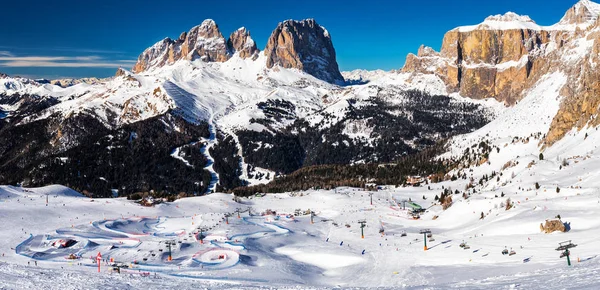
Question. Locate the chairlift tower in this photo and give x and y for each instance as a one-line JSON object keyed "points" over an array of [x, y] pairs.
{"points": [[238, 211], [404, 201], [363, 224], [227, 215], [169, 244], [202, 230], [249, 211], [425, 232], [371, 195], [564, 249]]}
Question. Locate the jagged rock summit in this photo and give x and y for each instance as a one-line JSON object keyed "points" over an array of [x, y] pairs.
{"points": [[204, 42], [303, 45], [241, 42]]}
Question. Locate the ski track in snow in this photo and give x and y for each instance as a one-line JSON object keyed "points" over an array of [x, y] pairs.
{"points": [[195, 112]]}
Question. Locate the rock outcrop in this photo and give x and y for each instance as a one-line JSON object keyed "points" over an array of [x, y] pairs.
{"points": [[304, 45], [552, 226], [204, 42], [493, 59], [241, 42]]}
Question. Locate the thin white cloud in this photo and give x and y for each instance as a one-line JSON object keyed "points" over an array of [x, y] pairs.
{"points": [[92, 61], [5, 53], [71, 49]]}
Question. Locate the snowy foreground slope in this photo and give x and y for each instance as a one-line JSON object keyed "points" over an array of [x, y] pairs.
{"points": [[281, 251]]}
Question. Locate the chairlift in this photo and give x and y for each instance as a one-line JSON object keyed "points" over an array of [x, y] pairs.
{"points": [[403, 234], [429, 235], [432, 240], [466, 247], [505, 252], [462, 245], [512, 253]]}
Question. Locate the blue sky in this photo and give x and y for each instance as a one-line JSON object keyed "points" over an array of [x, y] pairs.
{"points": [[77, 38]]}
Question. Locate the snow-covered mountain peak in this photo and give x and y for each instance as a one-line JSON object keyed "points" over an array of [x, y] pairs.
{"points": [[509, 17], [207, 23], [583, 12], [508, 21]]}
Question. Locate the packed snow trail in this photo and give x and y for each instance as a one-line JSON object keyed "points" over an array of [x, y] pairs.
{"points": [[210, 142], [194, 111]]}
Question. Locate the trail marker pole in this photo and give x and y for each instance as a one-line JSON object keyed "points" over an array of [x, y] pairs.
{"points": [[371, 195], [362, 226], [425, 232], [564, 248], [312, 215], [249, 211], [98, 259]]}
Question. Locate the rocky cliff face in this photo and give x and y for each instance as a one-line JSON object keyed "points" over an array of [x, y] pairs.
{"points": [[304, 45], [494, 59], [241, 42], [583, 12], [581, 104], [204, 42], [506, 55]]}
